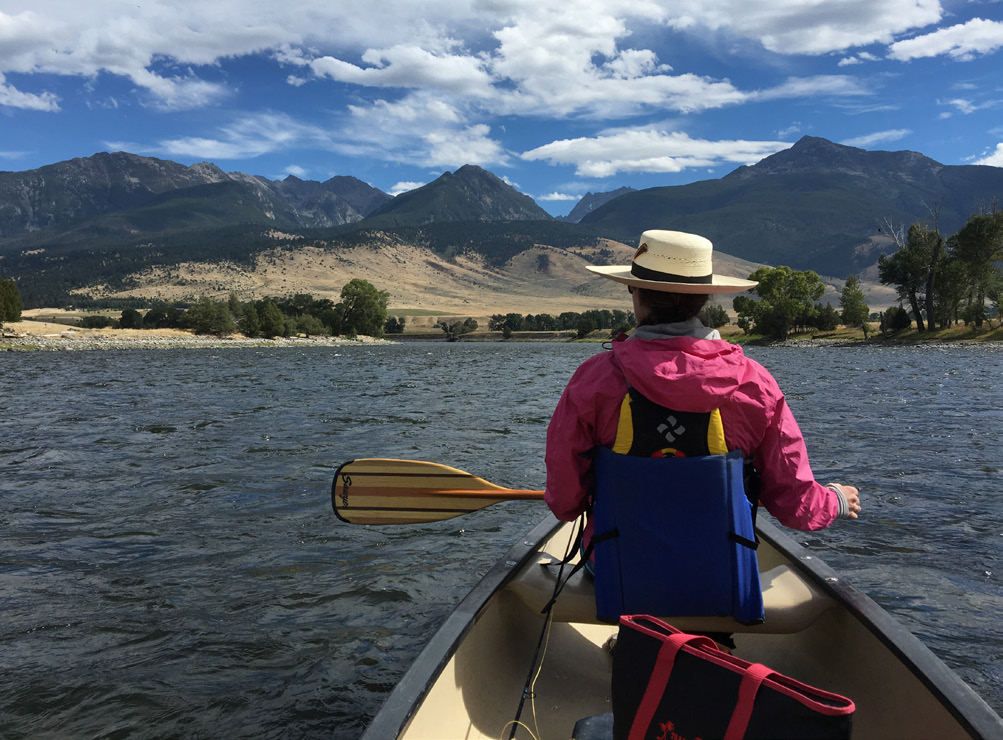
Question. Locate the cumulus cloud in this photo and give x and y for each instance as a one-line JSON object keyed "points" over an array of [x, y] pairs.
{"points": [[14, 98], [472, 145], [558, 197], [648, 150], [995, 159], [962, 42], [878, 137], [409, 66], [538, 56], [403, 187], [794, 27]]}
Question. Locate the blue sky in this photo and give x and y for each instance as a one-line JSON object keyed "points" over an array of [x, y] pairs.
{"points": [[557, 98]]}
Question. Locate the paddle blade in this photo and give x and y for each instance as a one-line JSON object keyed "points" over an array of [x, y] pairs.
{"points": [[381, 491]]}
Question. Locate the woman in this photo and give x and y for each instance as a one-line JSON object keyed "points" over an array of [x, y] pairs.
{"points": [[685, 391]]}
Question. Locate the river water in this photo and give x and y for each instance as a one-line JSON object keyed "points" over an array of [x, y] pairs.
{"points": [[170, 566]]}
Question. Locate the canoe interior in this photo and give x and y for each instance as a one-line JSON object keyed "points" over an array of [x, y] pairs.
{"points": [[468, 681]]}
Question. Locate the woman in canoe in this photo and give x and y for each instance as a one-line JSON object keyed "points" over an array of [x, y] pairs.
{"points": [[674, 388]]}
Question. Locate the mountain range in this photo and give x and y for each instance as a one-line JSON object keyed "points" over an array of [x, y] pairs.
{"points": [[817, 205]]}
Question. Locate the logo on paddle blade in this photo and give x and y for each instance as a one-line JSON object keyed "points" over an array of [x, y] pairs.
{"points": [[346, 483]]}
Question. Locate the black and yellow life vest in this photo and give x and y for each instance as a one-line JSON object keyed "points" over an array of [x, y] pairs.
{"points": [[647, 429]]}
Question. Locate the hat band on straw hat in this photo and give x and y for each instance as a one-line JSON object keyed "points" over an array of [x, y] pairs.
{"points": [[645, 273]]}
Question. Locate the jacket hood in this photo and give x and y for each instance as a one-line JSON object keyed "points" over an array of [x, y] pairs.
{"points": [[682, 373]]}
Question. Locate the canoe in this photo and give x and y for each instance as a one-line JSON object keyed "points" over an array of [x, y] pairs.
{"points": [[469, 679]]}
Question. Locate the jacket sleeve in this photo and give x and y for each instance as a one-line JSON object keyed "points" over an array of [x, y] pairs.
{"points": [[580, 423], [788, 487]]}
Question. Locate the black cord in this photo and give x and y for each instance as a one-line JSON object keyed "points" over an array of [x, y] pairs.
{"points": [[543, 633]]}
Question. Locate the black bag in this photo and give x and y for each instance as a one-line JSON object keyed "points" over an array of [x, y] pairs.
{"points": [[668, 684]]}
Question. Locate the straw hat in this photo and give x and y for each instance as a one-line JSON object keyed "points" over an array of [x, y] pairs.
{"points": [[674, 262]]}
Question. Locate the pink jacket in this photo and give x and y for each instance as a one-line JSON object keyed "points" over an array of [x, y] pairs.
{"points": [[685, 374]]}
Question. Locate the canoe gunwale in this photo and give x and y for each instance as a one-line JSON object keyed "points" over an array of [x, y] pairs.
{"points": [[964, 704]]}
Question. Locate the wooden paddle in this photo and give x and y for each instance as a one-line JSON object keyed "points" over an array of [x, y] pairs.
{"points": [[380, 491]]}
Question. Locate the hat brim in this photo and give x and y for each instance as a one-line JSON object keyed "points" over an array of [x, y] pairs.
{"points": [[718, 284]]}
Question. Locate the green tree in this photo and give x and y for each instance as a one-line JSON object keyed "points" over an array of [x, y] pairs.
{"points": [[454, 330], [854, 308], [364, 308], [209, 317], [978, 246], [233, 303], [249, 322], [10, 302], [311, 326], [895, 319], [156, 318], [394, 325], [568, 320], [546, 322], [714, 316], [826, 317], [96, 321], [912, 270], [586, 325], [954, 298], [786, 299], [272, 322], [131, 319]]}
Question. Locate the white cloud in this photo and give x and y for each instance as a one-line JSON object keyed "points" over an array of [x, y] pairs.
{"points": [[296, 171], [11, 97], [860, 58], [250, 136], [404, 186], [408, 66], [472, 145], [878, 137], [515, 56], [813, 87], [966, 106], [795, 27], [648, 150], [962, 42], [995, 159], [794, 129], [558, 197]]}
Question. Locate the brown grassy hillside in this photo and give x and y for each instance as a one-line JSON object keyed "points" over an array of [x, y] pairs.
{"points": [[418, 280]]}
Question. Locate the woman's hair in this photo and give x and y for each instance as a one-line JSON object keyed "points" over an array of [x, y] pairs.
{"points": [[668, 308]]}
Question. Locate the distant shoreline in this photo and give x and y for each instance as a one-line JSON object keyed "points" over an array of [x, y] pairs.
{"points": [[31, 335]]}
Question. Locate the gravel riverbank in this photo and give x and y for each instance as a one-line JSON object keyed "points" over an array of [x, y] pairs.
{"points": [[72, 340]]}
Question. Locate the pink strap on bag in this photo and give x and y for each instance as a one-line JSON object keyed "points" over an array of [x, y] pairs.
{"points": [[660, 679], [753, 678]]}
